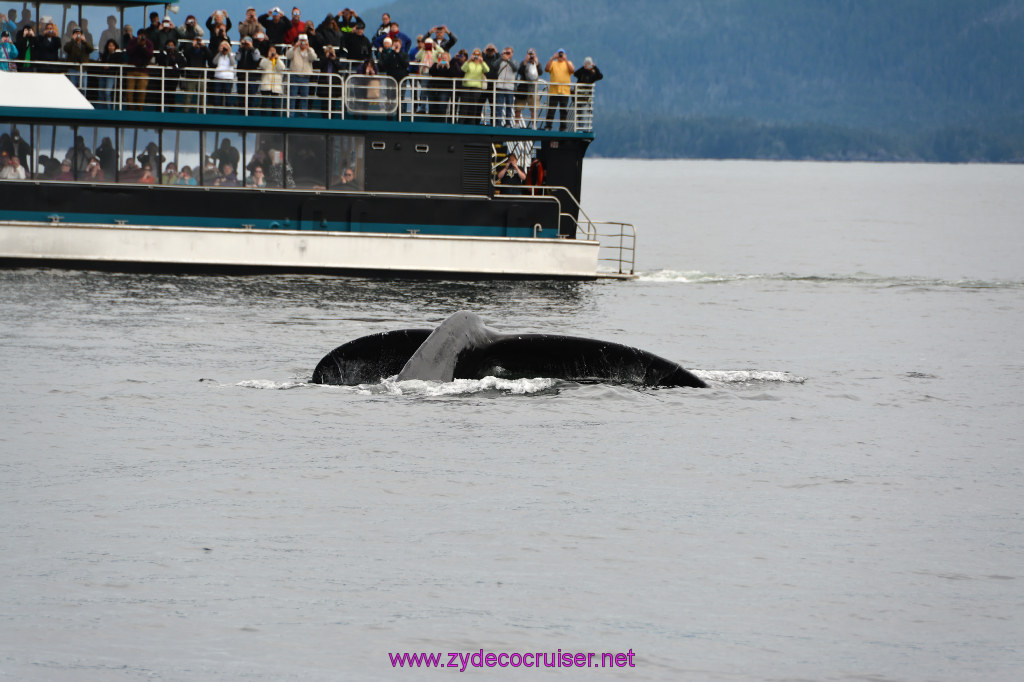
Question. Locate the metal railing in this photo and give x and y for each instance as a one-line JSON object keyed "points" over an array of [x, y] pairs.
{"points": [[327, 95]]}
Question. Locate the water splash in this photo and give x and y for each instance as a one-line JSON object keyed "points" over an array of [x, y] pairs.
{"points": [[747, 376]]}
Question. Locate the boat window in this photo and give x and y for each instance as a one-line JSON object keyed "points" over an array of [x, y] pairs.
{"points": [[95, 159], [139, 150], [100, 23], [307, 158], [223, 153], [346, 158], [59, 15], [266, 150], [182, 158], [52, 144], [13, 143]]}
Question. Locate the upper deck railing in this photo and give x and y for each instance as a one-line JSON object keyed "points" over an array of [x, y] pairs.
{"points": [[342, 95]]}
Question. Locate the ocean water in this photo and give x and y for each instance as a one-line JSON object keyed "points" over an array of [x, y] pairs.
{"points": [[842, 503]]}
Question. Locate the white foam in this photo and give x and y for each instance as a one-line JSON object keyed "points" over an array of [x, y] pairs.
{"points": [[459, 386], [268, 384], [747, 376]]}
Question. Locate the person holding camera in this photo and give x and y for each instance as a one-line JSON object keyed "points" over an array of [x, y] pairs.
{"points": [[474, 72], [223, 81], [528, 90], [444, 39], [510, 176], [8, 51], [561, 70], [301, 58], [197, 57], [25, 41]]}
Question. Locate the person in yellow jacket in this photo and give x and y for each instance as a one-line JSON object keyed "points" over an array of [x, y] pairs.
{"points": [[473, 71], [560, 90]]}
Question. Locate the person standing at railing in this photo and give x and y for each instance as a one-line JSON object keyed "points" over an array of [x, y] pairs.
{"points": [[139, 53], [248, 78], [197, 57], [561, 70], [109, 74], [588, 74], [272, 83], [441, 91], [357, 45], [424, 59], [329, 88], [47, 48], [300, 65], [25, 42], [77, 51], [223, 81], [393, 60], [473, 73], [504, 88], [174, 64], [8, 51], [528, 89]]}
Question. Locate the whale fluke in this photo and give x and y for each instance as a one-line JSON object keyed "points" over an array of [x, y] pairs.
{"points": [[462, 347]]}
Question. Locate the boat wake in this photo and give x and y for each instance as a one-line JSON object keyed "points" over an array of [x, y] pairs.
{"points": [[860, 278]]}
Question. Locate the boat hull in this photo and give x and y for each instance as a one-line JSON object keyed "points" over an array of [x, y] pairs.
{"points": [[185, 249]]}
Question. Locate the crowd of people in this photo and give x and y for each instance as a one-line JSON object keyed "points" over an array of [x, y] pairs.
{"points": [[283, 62]]}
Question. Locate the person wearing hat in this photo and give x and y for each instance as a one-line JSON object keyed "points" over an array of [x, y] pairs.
{"points": [[251, 26], [561, 70], [300, 63], [261, 43], [167, 32], [528, 90], [77, 51], [275, 25], [8, 51], [357, 46]]}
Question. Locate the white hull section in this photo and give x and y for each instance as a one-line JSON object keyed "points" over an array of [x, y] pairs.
{"points": [[297, 250]]}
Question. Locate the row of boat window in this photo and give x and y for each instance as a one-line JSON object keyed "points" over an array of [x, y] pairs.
{"points": [[176, 156]]}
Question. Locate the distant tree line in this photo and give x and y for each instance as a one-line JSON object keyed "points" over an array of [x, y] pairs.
{"points": [[639, 136]]}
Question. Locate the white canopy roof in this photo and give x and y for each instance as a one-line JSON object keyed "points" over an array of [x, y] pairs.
{"points": [[45, 90]]}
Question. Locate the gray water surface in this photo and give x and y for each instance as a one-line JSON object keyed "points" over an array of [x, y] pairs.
{"points": [[843, 503]]}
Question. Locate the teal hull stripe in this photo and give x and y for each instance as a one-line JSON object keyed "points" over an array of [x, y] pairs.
{"points": [[265, 224], [235, 121]]}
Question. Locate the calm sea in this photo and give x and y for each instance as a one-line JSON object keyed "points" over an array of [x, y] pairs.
{"points": [[843, 503]]}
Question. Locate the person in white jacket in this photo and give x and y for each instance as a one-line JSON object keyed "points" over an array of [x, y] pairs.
{"points": [[300, 64], [223, 81]]}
